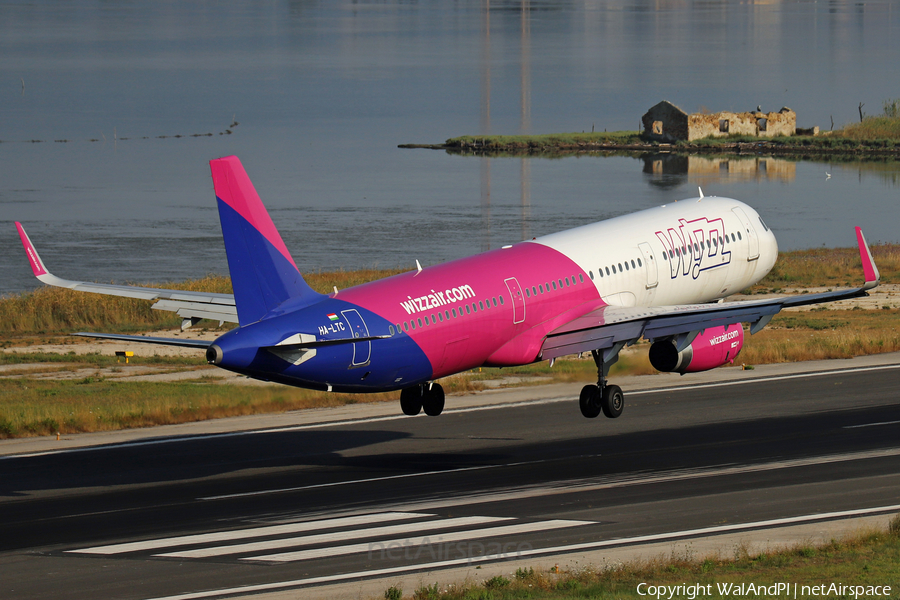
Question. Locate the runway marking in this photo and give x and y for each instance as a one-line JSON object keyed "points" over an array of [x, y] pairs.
{"points": [[534, 552], [385, 478], [331, 537], [446, 538], [871, 424], [240, 534], [612, 482], [505, 405]]}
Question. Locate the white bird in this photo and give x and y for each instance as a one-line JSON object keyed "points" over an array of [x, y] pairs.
{"points": [[827, 175]]}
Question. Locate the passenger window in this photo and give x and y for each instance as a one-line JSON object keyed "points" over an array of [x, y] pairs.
{"points": [[447, 314], [542, 288], [739, 235], [391, 329], [468, 312], [420, 321], [560, 283], [533, 291], [454, 313], [626, 265], [601, 272], [614, 269], [501, 300], [581, 278], [567, 282], [732, 237], [481, 305], [591, 273], [554, 285], [405, 326], [607, 271], [665, 255], [620, 267], [440, 317], [632, 264], [494, 300], [475, 307], [720, 241], [640, 264], [527, 293]]}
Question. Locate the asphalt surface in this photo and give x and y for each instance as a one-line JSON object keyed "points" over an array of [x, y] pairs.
{"points": [[294, 508]]}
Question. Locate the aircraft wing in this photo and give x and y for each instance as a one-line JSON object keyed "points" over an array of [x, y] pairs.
{"points": [[190, 306], [612, 326]]}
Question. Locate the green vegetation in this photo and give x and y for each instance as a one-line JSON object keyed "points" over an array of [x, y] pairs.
{"points": [[552, 139], [866, 559]]}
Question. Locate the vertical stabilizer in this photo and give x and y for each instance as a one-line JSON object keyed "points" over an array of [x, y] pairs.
{"points": [[263, 274]]}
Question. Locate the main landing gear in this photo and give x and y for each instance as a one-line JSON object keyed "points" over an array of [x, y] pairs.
{"points": [[602, 397], [428, 396]]}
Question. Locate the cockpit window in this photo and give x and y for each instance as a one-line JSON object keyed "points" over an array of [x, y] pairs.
{"points": [[763, 224]]}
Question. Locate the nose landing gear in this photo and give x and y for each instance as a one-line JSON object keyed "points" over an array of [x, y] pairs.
{"points": [[427, 396]]}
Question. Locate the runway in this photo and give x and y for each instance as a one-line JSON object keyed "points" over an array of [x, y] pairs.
{"points": [[294, 508]]}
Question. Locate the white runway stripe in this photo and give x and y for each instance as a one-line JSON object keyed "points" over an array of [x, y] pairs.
{"points": [[401, 543], [337, 536], [241, 534]]}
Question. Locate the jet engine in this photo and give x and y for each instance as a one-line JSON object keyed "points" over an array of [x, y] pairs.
{"points": [[710, 349]]}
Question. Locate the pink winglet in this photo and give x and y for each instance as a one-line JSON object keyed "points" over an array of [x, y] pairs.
{"points": [[868, 263], [234, 188], [36, 265]]}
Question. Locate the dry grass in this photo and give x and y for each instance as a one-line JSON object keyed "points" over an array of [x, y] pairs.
{"points": [[830, 267]]}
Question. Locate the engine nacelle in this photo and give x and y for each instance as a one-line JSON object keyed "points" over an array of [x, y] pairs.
{"points": [[712, 348]]}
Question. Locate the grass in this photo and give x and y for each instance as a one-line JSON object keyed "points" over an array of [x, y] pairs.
{"points": [[829, 267], [866, 559], [545, 140]]}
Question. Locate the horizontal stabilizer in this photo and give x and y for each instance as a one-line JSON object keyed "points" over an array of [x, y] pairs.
{"points": [[198, 344]]}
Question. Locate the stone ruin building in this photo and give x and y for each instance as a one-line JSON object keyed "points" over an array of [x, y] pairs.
{"points": [[666, 122]]}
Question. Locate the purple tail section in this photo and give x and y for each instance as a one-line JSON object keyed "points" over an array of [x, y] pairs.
{"points": [[263, 274]]}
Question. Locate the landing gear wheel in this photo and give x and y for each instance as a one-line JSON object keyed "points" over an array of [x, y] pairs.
{"points": [[433, 400], [589, 401], [612, 401], [411, 401]]}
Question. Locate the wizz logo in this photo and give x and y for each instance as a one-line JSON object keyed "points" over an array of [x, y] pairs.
{"points": [[694, 246]]}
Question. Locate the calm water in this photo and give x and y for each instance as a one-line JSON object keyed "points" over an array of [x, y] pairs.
{"points": [[325, 91]]}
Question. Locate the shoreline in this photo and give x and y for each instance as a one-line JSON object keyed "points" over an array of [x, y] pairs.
{"points": [[630, 142]]}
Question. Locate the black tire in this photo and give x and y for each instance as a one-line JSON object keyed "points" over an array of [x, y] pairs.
{"points": [[433, 400], [589, 401], [612, 401], [411, 401]]}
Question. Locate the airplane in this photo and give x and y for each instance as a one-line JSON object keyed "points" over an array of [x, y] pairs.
{"points": [[661, 274]]}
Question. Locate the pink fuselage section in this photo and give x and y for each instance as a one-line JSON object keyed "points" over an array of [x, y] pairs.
{"points": [[491, 309]]}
